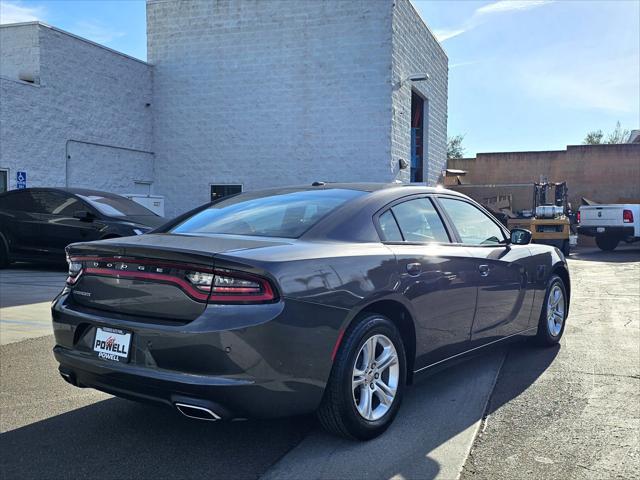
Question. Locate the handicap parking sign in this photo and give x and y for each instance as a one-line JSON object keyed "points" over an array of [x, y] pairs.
{"points": [[21, 179]]}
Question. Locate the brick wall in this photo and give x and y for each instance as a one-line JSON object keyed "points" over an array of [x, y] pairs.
{"points": [[602, 173], [260, 93], [86, 93], [269, 93], [415, 50]]}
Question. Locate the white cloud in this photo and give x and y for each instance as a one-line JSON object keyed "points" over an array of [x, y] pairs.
{"points": [[443, 35], [96, 32], [510, 5], [484, 13], [14, 12]]}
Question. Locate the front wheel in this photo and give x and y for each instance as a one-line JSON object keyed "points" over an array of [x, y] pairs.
{"points": [[367, 380], [4, 256], [554, 313], [607, 242]]}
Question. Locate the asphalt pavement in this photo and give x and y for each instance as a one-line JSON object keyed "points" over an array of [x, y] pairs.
{"points": [[26, 292], [579, 415], [566, 412]]}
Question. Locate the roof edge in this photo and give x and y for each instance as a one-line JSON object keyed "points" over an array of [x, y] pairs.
{"points": [[77, 37], [424, 22]]}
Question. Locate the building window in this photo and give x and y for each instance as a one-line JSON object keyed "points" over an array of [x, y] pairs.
{"points": [[219, 190], [417, 138], [4, 180]]}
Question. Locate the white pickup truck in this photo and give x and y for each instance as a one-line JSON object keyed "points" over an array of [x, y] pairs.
{"points": [[610, 224]]}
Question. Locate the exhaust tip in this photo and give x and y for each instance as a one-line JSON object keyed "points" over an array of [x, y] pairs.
{"points": [[198, 413], [69, 378]]}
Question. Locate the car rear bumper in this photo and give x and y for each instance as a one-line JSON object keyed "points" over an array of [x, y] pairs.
{"points": [[621, 232], [262, 361]]}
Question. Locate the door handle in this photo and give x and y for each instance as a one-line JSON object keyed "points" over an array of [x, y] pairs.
{"points": [[484, 270], [414, 268]]}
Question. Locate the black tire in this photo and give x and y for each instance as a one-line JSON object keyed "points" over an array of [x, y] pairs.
{"points": [[607, 243], [566, 248], [4, 256], [338, 413], [545, 336]]}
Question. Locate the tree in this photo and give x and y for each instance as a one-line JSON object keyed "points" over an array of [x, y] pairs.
{"points": [[454, 147], [619, 135], [593, 138], [596, 137]]}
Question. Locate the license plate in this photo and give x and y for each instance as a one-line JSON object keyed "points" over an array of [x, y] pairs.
{"points": [[600, 229], [112, 344]]}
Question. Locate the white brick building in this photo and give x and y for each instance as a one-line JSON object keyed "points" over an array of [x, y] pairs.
{"points": [[235, 92]]}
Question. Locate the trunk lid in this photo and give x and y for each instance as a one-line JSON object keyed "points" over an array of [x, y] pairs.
{"points": [[146, 276], [596, 215]]}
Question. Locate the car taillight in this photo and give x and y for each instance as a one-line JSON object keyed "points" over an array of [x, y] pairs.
{"points": [[627, 216], [228, 286], [200, 280], [578, 216], [75, 269]]}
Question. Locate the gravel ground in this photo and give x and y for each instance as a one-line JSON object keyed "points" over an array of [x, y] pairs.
{"points": [[578, 415]]}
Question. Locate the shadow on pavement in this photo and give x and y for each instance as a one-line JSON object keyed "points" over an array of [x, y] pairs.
{"points": [[622, 254], [524, 363], [120, 439], [39, 267], [27, 284], [439, 408]]}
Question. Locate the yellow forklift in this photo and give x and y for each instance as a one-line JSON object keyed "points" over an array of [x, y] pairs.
{"points": [[548, 220], [541, 208]]}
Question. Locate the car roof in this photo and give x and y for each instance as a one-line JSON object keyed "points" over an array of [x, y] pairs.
{"points": [[73, 191], [369, 187], [363, 187]]}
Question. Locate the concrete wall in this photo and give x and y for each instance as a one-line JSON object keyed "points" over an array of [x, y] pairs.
{"points": [[86, 93], [602, 173], [20, 48], [415, 50], [266, 93]]}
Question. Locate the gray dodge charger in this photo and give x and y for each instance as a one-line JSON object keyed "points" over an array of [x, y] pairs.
{"points": [[329, 298]]}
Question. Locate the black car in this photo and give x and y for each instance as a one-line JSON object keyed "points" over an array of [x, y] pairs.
{"points": [[36, 224], [328, 298]]}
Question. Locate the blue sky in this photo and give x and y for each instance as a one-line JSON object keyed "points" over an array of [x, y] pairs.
{"points": [[523, 75]]}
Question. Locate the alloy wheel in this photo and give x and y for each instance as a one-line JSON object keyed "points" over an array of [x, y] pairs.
{"points": [[555, 310], [376, 373]]}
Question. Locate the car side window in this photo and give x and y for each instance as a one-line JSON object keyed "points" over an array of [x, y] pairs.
{"points": [[18, 201], [389, 227], [473, 225], [419, 221], [53, 203], [70, 206]]}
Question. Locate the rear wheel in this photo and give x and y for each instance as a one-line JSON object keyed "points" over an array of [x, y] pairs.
{"points": [[566, 248], [367, 381], [553, 316], [607, 242]]}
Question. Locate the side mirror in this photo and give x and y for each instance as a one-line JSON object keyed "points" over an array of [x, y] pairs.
{"points": [[83, 215], [520, 236]]}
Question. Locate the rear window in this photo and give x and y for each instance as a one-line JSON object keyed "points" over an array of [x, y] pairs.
{"points": [[286, 215], [115, 206]]}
